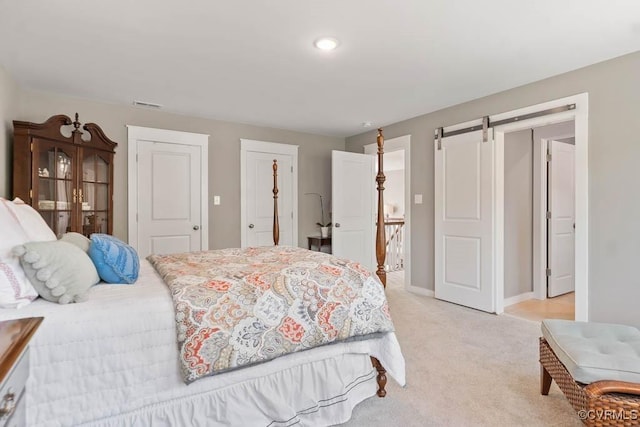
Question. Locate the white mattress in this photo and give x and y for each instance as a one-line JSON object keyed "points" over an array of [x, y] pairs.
{"points": [[113, 360]]}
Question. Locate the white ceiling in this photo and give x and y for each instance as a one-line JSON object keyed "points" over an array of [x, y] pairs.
{"points": [[253, 61]]}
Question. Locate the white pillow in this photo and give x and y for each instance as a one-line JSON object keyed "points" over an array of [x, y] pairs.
{"points": [[15, 289], [31, 221]]}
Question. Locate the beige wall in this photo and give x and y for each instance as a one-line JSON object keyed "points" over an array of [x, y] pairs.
{"points": [[518, 213], [314, 161], [8, 108], [614, 174]]}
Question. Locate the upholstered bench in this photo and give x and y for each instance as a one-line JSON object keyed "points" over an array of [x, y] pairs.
{"points": [[597, 367]]}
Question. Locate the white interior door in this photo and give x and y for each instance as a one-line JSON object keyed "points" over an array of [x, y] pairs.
{"points": [[259, 198], [561, 235], [353, 215], [464, 221], [169, 198]]}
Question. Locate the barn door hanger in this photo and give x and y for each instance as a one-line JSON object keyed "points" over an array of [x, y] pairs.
{"points": [[439, 133], [485, 129]]}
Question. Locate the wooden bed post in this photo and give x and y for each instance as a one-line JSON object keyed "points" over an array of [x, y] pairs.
{"points": [[276, 223], [381, 253], [381, 378], [381, 239]]}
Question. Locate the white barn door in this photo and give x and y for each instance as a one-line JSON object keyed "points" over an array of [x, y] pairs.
{"points": [[561, 240], [464, 220], [353, 215]]}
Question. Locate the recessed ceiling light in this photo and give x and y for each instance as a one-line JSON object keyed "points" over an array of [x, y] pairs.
{"points": [[367, 124], [326, 43]]}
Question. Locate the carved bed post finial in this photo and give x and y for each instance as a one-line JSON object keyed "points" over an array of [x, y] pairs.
{"points": [[381, 239], [276, 223]]}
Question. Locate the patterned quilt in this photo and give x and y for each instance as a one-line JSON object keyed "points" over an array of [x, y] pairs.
{"points": [[237, 307]]}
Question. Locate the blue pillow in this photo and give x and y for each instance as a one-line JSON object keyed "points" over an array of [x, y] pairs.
{"points": [[115, 261]]}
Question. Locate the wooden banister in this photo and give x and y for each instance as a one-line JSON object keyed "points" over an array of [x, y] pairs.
{"points": [[394, 234]]}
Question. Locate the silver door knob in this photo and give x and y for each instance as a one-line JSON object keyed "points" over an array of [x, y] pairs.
{"points": [[337, 225], [251, 225], [196, 227]]}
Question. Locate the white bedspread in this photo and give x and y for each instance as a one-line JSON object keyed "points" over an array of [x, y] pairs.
{"points": [[113, 360]]}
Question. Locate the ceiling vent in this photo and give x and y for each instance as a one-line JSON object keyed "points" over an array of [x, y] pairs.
{"points": [[146, 104]]}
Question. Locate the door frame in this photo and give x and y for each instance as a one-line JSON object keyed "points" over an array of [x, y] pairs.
{"points": [[390, 145], [247, 145], [580, 116], [136, 133]]}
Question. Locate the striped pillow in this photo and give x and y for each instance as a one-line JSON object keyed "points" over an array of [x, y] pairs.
{"points": [[115, 261]]}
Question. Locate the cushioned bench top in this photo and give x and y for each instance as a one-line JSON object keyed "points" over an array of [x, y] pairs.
{"points": [[595, 351]]}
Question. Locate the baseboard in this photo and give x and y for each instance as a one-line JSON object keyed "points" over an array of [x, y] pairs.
{"points": [[420, 291], [518, 298]]}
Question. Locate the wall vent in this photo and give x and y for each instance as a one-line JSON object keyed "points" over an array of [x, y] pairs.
{"points": [[146, 104]]}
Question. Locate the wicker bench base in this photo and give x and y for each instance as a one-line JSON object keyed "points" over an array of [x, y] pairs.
{"points": [[611, 409]]}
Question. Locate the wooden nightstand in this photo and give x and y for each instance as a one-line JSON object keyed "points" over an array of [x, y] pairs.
{"points": [[14, 369], [319, 242]]}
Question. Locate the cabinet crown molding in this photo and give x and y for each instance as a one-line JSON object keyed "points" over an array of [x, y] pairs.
{"points": [[51, 129]]}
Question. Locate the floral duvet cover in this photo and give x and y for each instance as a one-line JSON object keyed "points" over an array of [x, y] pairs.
{"points": [[237, 307]]}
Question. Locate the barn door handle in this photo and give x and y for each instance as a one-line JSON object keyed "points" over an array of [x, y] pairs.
{"points": [[196, 227], [251, 225], [337, 225]]}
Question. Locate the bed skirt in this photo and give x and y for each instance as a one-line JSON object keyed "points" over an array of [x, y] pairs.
{"points": [[308, 399]]}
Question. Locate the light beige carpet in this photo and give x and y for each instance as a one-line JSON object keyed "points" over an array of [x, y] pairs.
{"points": [[464, 368]]}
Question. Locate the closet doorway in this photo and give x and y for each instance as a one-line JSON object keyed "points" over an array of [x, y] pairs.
{"points": [[571, 109], [539, 222]]}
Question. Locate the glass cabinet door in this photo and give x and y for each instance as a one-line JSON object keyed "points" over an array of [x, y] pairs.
{"points": [[96, 192], [54, 190], [65, 177]]}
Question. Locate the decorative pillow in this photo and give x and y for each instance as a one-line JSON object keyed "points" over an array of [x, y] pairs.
{"points": [[31, 221], [77, 239], [60, 271], [15, 289], [115, 261]]}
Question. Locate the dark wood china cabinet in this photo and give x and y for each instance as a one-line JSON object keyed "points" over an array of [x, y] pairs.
{"points": [[68, 179]]}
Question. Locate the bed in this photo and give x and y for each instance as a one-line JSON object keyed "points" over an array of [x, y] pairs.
{"points": [[112, 361]]}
